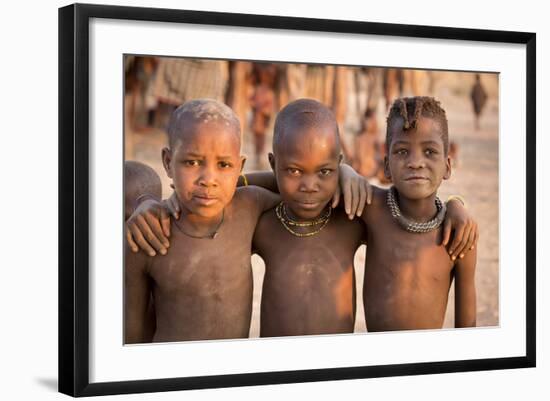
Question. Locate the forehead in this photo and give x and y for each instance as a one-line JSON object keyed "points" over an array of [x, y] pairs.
{"points": [[209, 136], [427, 129], [317, 142]]}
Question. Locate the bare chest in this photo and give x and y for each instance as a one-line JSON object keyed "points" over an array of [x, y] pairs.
{"points": [[328, 252], [394, 252], [205, 263]]}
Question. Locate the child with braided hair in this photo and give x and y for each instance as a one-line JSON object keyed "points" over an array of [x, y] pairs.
{"points": [[408, 273]]}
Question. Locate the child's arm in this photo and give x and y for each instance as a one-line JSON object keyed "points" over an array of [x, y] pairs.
{"points": [[465, 290], [148, 228], [356, 189], [264, 179], [464, 228], [136, 298]]}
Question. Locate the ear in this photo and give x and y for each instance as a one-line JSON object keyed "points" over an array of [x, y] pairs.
{"points": [[243, 161], [271, 158], [167, 161], [447, 174], [387, 172]]}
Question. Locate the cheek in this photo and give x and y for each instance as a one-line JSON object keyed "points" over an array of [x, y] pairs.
{"points": [[287, 186], [228, 183], [393, 166], [331, 183], [184, 179]]}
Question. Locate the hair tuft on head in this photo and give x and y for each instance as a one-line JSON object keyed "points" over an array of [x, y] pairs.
{"points": [[410, 109]]}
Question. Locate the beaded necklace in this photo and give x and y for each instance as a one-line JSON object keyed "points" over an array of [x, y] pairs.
{"points": [[411, 225], [287, 222]]}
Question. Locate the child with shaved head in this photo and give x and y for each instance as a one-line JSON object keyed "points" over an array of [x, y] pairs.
{"points": [[308, 247], [202, 286]]}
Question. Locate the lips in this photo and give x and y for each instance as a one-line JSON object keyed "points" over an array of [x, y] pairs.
{"points": [[308, 204], [416, 178], [204, 199]]}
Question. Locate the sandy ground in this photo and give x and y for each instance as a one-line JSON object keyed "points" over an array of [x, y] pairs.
{"points": [[475, 178]]}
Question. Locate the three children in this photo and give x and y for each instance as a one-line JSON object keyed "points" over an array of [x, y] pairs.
{"points": [[204, 284]]}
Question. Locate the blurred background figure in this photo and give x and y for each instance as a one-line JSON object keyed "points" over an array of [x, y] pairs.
{"points": [[140, 74], [393, 85], [178, 80], [329, 85], [479, 98], [263, 103], [367, 147], [239, 91]]}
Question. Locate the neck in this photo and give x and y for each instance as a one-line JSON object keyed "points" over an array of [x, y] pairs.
{"points": [[199, 223], [420, 210], [290, 213]]}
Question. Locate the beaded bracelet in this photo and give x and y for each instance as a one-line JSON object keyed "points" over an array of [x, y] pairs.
{"points": [[245, 180], [458, 198]]}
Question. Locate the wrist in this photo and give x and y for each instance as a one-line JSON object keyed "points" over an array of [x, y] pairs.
{"points": [[456, 198]]}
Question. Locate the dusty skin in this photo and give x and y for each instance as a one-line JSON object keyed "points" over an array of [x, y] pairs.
{"points": [[322, 264], [408, 275], [202, 287]]}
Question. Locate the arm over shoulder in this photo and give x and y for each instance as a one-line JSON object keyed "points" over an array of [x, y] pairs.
{"points": [[259, 198]]}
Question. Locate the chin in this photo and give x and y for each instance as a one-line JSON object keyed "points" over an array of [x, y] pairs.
{"points": [[415, 192], [306, 213], [206, 212]]}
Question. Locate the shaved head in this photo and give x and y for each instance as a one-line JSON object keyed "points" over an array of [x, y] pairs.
{"points": [[303, 115], [201, 111]]}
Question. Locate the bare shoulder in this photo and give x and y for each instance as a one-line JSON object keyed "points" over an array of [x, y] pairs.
{"points": [[256, 198], [379, 196], [377, 205]]}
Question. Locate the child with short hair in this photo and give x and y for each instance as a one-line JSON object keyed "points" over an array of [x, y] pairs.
{"points": [[408, 273], [202, 287]]}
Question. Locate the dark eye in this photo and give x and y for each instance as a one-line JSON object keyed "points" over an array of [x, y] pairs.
{"points": [[191, 163], [293, 171], [325, 172], [401, 152], [225, 165], [430, 152]]}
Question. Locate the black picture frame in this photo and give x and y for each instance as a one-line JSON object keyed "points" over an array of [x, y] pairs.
{"points": [[74, 194]]}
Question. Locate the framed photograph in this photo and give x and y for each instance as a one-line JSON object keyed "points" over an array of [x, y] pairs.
{"points": [[127, 75]]}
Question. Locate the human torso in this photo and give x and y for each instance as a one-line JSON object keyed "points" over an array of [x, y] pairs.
{"points": [[202, 288], [309, 284], [407, 275]]}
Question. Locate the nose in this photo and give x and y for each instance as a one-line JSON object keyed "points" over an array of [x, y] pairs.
{"points": [[309, 183], [416, 160], [207, 177]]}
